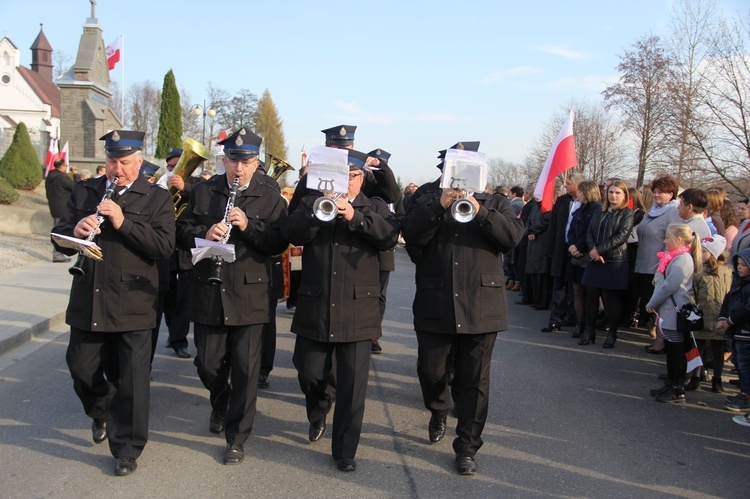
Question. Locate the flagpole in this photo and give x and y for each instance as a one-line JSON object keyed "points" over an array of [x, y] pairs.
{"points": [[122, 77]]}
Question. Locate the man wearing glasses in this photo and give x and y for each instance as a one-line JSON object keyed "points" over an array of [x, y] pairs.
{"points": [[229, 315], [337, 312]]}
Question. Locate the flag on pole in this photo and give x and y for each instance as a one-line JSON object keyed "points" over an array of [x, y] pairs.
{"points": [[693, 357], [64, 153], [304, 158], [51, 155], [561, 157], [114, 52]]}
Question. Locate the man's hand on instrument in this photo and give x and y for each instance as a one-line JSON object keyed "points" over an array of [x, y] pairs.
{"points": [[112, 210], [84, 227], [237, 218], [448, 197], [216, 231], [177, 182], [346, 209]]}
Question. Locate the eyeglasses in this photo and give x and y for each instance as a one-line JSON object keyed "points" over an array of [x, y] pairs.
{"points": [[244, 162], [353, 176]]}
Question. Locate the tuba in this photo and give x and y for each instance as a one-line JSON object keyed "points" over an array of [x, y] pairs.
{"points": [[277, 166], [193, 154]]}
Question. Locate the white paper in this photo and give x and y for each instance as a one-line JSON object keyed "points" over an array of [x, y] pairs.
{"points": [[328, 170], [163, 181], [89, 248], [465, 170], [208, 249]]}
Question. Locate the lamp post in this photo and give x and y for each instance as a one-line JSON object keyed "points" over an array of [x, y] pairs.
{"points": [[198, 110]]}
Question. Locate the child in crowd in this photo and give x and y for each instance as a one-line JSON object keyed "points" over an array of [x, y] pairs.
{"points": [[709, 289], [734, 317], [673, 279]]}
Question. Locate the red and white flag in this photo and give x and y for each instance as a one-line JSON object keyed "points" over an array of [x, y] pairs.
{"points": [[114, 52], [693, 357], [304, 158], [51, 155], [561, 157], [64, 153]]}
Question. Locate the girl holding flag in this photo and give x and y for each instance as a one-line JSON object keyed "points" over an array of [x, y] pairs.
{"points": [[673, 279]]}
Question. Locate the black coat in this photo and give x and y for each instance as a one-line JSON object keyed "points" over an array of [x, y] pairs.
{"points": [[120, 293], [611, 239], [579, 226], [339, 294], [58, 186], [557, 250], [242, 297], [460, 282], [538, 223]]}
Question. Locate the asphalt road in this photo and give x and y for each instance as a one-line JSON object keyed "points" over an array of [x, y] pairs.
{"points": [[564, 421]]}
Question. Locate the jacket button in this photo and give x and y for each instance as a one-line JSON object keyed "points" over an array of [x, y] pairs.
{"points": [[459, 325], [223, 290], [456, 294], [331, 335], [226, 318], [456, 263], [492, 282], [97, 290], [95, 324], [333, 304]]}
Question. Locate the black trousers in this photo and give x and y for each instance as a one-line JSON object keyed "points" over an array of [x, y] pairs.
{"points": [[314, 361], [471, 385], [677, 362], [175, 308], [125, 408], [268, 345], [385, 276], [225, 351]]}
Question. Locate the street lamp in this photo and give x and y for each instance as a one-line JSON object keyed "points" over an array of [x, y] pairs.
{"points": [[197, 111]]}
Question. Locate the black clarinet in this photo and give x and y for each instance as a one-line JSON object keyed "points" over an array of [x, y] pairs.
{"points": [[218, 261], [77, 268]]}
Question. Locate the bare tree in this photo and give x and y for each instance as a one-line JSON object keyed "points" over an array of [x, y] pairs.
{"points": [[508, 173], [692, 23], [142, 111], [642, 96], [61, 62], [722, 134]]}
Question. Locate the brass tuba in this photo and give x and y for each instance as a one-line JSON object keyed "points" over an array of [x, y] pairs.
{"points": [[276, 166], [193, 154]]}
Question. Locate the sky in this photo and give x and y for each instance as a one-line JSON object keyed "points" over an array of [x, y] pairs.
{"points": [[413, 76]]}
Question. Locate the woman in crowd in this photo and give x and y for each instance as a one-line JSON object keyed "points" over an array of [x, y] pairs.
{"points": [[606, 275], [673, 279], [630, 312], [731, 222], [537, 261], [651, 232], [647, 196], [589, 196], [715, 196]]}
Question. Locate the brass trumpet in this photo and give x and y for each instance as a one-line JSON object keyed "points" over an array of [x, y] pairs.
{"points": [[193, 154]]}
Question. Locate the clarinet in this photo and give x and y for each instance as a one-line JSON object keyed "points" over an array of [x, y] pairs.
{"points": [[218, 261], [77, 268]]}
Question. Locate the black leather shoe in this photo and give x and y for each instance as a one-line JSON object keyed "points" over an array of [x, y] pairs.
{"points": [[263, 381], [216, 423], [610, 341], [234, 454], [99, 431], [551, 327], [182, 352], [465, 465], [317, 430], [125, 466], [661, 391], [375, 347], [694, 384], [673, 396], [588, 336], [346, 464], [436, 428], [578, 331]]}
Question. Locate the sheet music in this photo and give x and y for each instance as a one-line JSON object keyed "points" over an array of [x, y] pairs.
{"points": [[328, 170], [464, 170], [89, 248], [208, 249]]}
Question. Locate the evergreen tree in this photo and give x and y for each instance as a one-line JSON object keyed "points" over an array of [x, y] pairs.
{"points": [[21, 166], [170, 119], [269, 126]]}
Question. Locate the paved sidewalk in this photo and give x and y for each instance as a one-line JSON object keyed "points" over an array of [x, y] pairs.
{"points": [[33, 299]]}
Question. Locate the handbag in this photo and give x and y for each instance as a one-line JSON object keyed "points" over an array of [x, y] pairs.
{"points": [[689, 317], [580, 261]]}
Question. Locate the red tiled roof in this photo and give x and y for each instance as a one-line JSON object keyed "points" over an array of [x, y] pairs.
{"points": [[10, 120], [45, 89]]}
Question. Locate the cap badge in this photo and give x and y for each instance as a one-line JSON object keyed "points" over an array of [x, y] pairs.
{"points": [[242, 132], [342, 132], [378, 152], [460, 146], [115, 136], [238, 141]]}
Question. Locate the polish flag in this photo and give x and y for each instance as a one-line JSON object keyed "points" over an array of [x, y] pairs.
{"points": [[561, 157], [64, 153], [304, 158], [694, 360], [51, 155], [114, 52]]}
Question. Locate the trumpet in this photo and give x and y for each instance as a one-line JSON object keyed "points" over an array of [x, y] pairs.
{"points": [[325, 208], [77, 268], [218, 261], [463, 210]]}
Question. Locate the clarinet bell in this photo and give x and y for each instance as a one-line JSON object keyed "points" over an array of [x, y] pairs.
{"points": [[77, 268], [215, 277]]}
